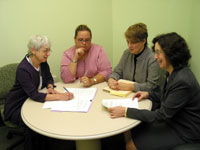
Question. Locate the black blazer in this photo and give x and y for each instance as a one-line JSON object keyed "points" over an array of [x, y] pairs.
{"points": [[177, 104]]}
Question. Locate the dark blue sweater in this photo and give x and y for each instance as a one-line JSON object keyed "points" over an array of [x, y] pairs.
{"points": [[26, 85]]}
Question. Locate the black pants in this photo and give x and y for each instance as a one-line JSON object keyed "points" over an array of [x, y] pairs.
{"points": [[146, 136], [156, 136], [1, 121], [116, 142]]}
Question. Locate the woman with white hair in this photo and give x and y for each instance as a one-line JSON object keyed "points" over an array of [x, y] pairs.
{"points": [[33, 74]]}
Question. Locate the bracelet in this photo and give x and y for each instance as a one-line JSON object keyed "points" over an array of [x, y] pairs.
{"points": [[74, 61], [125, 111], [50, 87], [95, 80]]}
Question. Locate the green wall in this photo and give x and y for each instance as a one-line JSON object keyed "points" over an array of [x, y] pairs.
{"points": [[19, 19], [108, 20], [160, 16], [194, 40]]}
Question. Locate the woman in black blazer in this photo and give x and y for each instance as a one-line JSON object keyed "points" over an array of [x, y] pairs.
{"points": [[175, 116]]}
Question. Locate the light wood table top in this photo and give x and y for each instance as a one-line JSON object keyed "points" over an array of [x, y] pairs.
{"points": [[94, 124]]}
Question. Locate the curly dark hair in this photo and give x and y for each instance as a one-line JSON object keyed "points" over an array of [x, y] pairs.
{"points": [[175, 48]]}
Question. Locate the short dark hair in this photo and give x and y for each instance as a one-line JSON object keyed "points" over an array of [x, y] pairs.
{"points": [[82, 27], [137, 33], [175, 48]]}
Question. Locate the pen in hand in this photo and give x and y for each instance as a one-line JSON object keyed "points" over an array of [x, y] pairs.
{"points": [[85, 74], [65, 89], [70, 95]]}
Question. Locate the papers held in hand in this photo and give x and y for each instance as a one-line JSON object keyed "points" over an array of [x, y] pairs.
{"points": [[128, 102], [119, 92]]}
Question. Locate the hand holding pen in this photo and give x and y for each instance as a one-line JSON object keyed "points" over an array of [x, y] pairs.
{"points": [[67, 94], [85, 80], [65, 89]]}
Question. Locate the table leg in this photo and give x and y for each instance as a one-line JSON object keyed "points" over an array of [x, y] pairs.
{"points": [[88, 144]]}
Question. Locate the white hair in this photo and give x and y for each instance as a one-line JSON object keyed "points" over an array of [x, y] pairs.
{"points": [[37, 41]]}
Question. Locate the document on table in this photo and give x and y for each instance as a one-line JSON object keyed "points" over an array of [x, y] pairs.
{"points": [[128, 102], [81, 102]]}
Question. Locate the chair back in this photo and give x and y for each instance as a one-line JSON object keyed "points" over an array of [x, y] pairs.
{"points": [[7, 80]]}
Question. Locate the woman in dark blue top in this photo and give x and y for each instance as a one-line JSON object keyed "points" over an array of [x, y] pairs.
{"points": [[32, 74]]}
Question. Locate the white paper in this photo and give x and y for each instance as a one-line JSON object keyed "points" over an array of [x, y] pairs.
{"points": [[128, 102], [81, 102]]}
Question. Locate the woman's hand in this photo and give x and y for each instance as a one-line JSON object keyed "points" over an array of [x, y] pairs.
{"points": [[86, 81], [125, 86], [116, 112], [79, 53], [65, 96], [141, 95], [112, 83], [115, 85], [51, 91]]}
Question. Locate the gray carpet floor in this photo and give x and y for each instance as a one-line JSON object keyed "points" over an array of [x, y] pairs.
{"points": [[4, 142]]}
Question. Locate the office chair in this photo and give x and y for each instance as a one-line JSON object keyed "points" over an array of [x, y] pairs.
{"points": [[7, 79]]}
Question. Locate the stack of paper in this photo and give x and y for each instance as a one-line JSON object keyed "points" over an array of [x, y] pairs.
{"points": [[119, 92], [81, 102], [120, 102]]}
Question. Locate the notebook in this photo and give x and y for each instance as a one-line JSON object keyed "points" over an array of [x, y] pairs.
{"points": [[119, 92]]}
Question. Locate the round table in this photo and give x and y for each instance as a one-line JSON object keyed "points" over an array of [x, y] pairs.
{"points": [[86, 128]]}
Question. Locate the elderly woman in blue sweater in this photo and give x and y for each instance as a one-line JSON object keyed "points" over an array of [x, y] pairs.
{"points": [[33, 74]]}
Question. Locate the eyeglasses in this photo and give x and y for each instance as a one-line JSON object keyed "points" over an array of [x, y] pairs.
{"points": [[84, 40], [158, 52], [47, 51]]}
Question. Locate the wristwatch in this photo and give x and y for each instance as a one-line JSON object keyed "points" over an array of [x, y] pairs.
{"points": [[74, 61], [95, 80]]}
